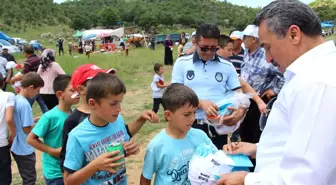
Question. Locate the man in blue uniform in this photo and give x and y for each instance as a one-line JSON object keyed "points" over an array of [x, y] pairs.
{"points": [[210, 77]]}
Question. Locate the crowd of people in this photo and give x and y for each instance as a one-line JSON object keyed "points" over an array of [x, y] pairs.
{"points": [[279, 60]]}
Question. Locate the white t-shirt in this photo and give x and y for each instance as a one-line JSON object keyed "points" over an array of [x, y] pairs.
{"points": [[157, 92], [87, 48], [6, 100]]}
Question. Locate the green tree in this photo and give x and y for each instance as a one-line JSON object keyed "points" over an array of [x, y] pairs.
{"points": [[80, 22], [108, 17], [148, 20], [325, 9]]}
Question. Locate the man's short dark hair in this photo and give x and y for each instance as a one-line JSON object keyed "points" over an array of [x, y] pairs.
{"points": [[178, 95], [28, 49], [224, 40], [32, 78], [103, 85], [209, 31], [61, 82], [1, 81], [157, 67], [280, 15]]}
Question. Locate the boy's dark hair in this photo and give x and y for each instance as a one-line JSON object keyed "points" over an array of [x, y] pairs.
{"points": [[157, 67], [28, 49], [33, 79], [1, 81], [224, 40], [103, 85], [209, 31], [61, 82], [177, 95]]}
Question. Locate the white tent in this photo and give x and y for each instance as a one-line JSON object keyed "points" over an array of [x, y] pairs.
{"points": [[117, 32]]}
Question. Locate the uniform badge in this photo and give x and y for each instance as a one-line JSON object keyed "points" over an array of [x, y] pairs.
{"points": [[190, 75], [219, 77]]}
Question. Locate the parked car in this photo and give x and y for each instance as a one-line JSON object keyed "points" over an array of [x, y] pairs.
{"points": [[20, 43], [11, 48], [36, 45]]}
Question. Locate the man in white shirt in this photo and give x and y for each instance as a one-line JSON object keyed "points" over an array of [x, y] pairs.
{"points": [[6, 124], [298, 144]]}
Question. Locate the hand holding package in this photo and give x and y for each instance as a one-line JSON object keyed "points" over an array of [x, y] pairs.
{"points": [[208, 163], [230, 99]]}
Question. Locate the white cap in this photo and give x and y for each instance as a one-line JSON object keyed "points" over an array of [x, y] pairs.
{"points": [[193, 33], [237, 35], [251, 30]]}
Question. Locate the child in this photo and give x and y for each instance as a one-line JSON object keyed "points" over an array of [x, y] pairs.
{"points": [[225, 51], [158, 86], [88, 160], [50, 127], [70, 48], [169, 152], [6, 139], [180, 48], [79, 81], [127, 46], [88, 50], [22, 152]]}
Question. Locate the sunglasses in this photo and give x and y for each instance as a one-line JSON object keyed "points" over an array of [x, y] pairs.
{"points": [[206, 49]]}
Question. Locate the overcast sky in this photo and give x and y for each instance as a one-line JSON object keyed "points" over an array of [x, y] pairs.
{"points": [[251, 3]]}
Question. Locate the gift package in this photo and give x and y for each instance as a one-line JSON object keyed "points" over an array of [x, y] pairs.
{"points": [[230, 99], [208, 164]]}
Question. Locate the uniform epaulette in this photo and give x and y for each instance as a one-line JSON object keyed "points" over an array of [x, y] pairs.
{"points": [[224, 61], [186, 57]]}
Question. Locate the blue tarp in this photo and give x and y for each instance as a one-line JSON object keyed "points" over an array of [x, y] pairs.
{"points": [[5, 37], [327, 24]]}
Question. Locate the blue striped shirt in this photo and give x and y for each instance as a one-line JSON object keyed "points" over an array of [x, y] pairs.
{"points": [[260, 74]]}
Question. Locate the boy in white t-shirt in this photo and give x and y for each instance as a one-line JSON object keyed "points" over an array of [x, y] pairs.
{"points": [[6, 138], [158, 86]]}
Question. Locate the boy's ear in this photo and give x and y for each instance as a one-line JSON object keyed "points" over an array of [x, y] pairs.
{"points": [[168, 114], [59, 94], [92, 103], [31, 87], [81, 89]]}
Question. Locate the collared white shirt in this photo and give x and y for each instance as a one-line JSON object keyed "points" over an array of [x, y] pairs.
{"points": [[298, 144], [210, 80]]}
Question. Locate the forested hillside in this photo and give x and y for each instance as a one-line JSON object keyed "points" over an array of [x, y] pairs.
{"points": [[85, 14], [326, 9]]}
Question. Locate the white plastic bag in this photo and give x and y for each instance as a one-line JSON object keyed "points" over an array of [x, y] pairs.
{"points": [[208, 163], [230, 99]]}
